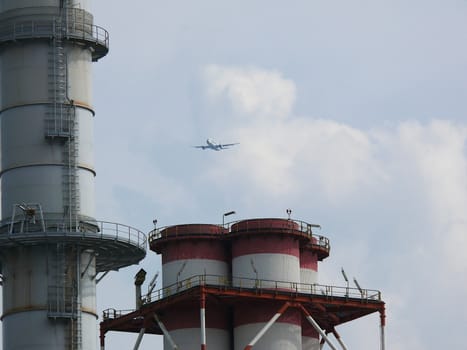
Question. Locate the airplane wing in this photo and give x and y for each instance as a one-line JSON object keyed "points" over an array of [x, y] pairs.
{"points": [[202, 147], [229, 144]]}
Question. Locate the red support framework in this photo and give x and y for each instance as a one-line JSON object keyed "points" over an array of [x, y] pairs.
{"points": [[328, 311], [222, 289]]}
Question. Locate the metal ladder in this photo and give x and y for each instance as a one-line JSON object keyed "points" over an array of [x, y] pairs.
{"points": [[56, 122], [76, 330], [61, 123], [70, 180], [61, 127], [64, 299], [59, 301]]}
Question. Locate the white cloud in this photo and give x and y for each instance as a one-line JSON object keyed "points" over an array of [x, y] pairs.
{"points": [[417, 171], [438, 153], [251, 90], [414, 173], [284, 154]]}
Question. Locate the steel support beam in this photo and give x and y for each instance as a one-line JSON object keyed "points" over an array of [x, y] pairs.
{"points": [[267, 326], [317, 328], [91, 258], [166, 333], [101, 277], [140, 337], [339, 339]]}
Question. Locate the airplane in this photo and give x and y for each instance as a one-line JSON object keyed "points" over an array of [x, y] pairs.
{"points": [[212, 145]]}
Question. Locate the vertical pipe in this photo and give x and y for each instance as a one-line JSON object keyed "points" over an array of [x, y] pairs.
{"points": [[267, 326], [383, 324], [203, 320], [102, 339], [140, 337], [138, 297], [382, 338]]}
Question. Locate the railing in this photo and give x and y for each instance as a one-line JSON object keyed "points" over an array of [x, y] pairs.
{"points": [[243, 283], [113, 313], [186, 230], [80, 30], [301, 227], [257, 285], [86, 229], [122, 232]]}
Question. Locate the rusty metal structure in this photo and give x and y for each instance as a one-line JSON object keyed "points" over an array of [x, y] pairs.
{"points": [[246, 285]]}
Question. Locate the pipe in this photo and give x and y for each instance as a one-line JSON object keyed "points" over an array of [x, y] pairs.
{"points": [[138, 300], [321, 344], [203, 320], [140, 337], [267, 326], [102, 339], [383, 324], [382, 338], [317, 328], [166, 333], [337, 336], [139, 280]]}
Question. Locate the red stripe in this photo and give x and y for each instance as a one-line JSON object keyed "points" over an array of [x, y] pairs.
{"points": [[308, 260], [193, 229], [308, 330], [265, 244], [195, 249], [256, 312], [263, 224]]}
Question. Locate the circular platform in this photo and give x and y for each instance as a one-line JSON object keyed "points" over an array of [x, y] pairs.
{"points": [[115, 245], [47, 23]]}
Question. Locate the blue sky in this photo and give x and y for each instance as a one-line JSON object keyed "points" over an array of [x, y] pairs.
{"points": [[352, 114]]}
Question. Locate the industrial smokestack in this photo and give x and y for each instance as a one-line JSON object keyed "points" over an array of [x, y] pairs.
{"points": [[51, 245]]}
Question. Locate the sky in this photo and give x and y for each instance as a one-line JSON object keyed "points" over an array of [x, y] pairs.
{"points": [[351, 113]]}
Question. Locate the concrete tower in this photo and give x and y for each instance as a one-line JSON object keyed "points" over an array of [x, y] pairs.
{"points": [[51, 245]]}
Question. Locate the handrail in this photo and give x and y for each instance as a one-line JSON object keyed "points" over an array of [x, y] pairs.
{"points": [[122, 232], [113, 313], [86, 229], [304, 228], [74, 29], [180, 230], [250, 284], [262, 285]]}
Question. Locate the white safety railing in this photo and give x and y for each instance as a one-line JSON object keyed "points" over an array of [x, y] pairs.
{"points": [[85, 229], [122, 232], [28, 29]]}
